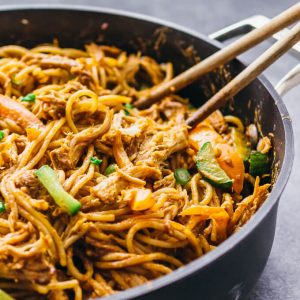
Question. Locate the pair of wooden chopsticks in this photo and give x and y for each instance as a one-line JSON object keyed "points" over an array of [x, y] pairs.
{"points": [[226, 54]]}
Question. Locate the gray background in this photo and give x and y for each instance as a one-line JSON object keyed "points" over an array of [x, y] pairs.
{"points": [[281, 277]]}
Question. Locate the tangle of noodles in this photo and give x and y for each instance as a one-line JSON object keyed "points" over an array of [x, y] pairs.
{"points": [[80, 110]]}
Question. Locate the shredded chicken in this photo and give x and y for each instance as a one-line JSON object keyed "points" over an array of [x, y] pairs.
{"points": [[66, 157], [217, 120], [60, 62], [156, 149], [111, 187], [29, 181]]}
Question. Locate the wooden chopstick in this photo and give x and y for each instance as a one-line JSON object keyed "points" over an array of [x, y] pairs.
{"points": [[221, 57], [246, 76]]}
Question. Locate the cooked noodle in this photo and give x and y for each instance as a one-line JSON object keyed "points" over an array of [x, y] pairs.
{"points": [[105, 152]]}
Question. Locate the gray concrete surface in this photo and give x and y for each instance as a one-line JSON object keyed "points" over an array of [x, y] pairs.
{"points": [[281, 277]]}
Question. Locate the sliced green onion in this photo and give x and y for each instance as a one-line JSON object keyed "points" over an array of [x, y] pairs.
{"points": [[110, 169], [182, 176], [127, 106], [96, 161], [2, 209], [4, 296], [64, 200], [28, 98], [15, 81], [1, 135]]}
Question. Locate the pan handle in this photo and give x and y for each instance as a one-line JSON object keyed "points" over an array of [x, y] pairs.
{"points": [[292, 78]]}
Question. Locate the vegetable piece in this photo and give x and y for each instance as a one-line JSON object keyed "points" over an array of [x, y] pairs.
{"points": [[259, 163], [96, 161], [142, 200], [32, 133], [218, 214], [110, 169], [240, 143], [203, 133], [182, 176], [210, 169], [18, 113], [127, 106], [64, 200], [2, 209], [1, 135], [28, 98], [4, 296], [231, 162]]}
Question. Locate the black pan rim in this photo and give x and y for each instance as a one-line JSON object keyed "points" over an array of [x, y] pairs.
{"points": [[212, 257]]}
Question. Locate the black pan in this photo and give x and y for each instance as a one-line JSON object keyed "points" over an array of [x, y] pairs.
{"points": [[230, 271]]}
